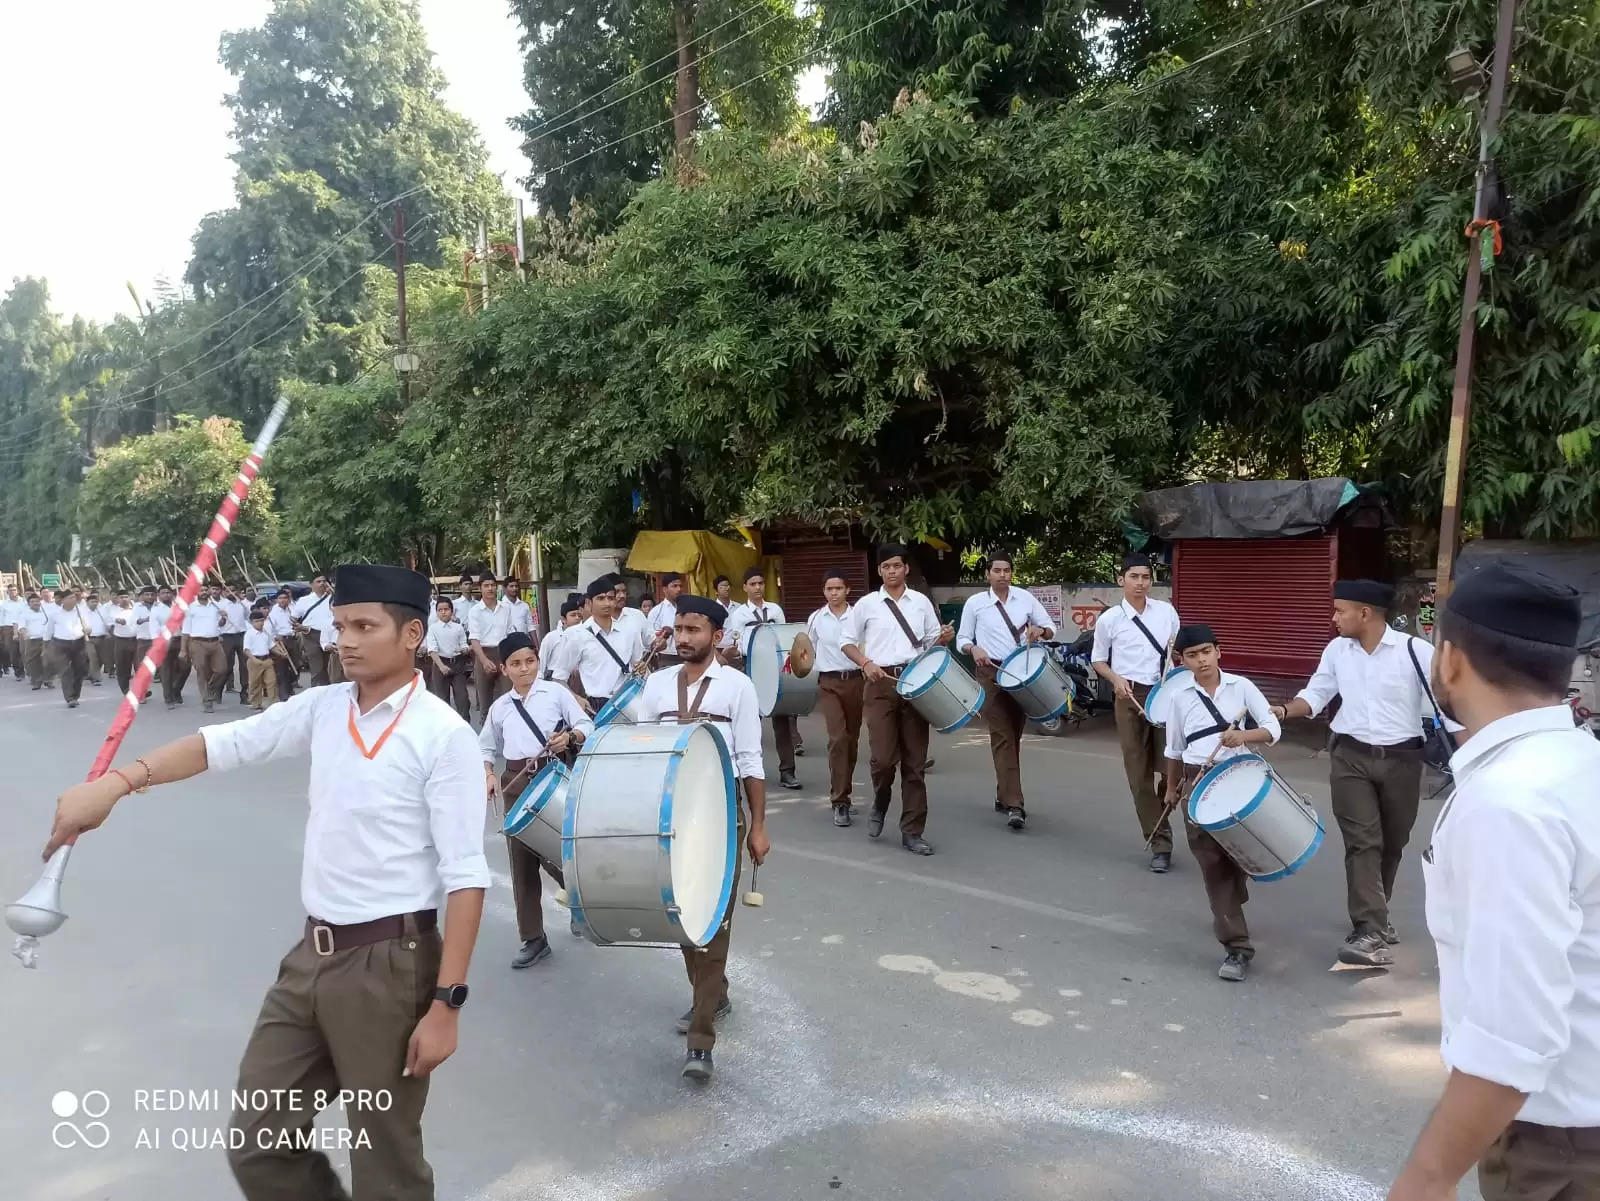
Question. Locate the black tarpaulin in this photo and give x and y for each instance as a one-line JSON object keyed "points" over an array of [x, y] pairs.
{"points": [[1246, 508], [1576, 564]]}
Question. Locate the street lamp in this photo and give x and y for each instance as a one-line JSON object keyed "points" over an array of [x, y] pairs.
{"points": [[405, 362], [1466, 72]]}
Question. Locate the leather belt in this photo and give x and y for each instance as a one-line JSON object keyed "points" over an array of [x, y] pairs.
{"points": [[326, 938], [839, 675], [1409, 749], [894, 671], [198, 638]]}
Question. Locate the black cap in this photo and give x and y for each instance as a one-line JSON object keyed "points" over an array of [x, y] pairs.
{"points": [[1136, 559], [703, 606], [514, 642], [1365, 592], [571, 606], [599, 587], [1516, 600], [381, 584], [1195, 635]]}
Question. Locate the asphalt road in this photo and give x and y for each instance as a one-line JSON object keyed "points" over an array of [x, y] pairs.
{"points": [[1020, 1016]]}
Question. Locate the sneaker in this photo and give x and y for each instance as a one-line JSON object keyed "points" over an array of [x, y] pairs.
{"points": [[697, 1066], [841, 815], [72, 704], [533, 950], [1233, 967], [1161, 862], [787, 779], [722, 1012], [916, 844], [1016, 818], [1000, 806], [1366, 949], [875, 823], [1389, 936]]}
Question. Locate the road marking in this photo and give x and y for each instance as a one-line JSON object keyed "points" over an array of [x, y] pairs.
{"points": [[1113, 925]]}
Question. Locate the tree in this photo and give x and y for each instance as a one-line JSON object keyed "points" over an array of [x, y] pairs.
{"points": [[151, 494]]}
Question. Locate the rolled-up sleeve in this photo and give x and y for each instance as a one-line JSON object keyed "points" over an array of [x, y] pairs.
{"points": [[1039, 617], [489, 736], [1102, 638], [279, 732], [1323, 685], [1511, 891], [854, 627], [1261, 711], [968, 630], [1176, 713], [457, 804], [577, 720], [746, 716]]}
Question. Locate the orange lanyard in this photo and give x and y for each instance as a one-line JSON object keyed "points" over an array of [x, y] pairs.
{"points": [[355, 734]]}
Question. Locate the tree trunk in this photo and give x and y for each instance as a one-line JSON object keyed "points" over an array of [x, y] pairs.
{"points": [[685, 104]]}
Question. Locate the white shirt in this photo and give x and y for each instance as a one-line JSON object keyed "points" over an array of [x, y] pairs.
{"points": [[35, 623], [464, 607], [597, 669], [67, 624], [1120, 643], [1382, 701], [259, 642], [278, 621], [11, 611], [1513, 899], [736, 630], [387, 835], [504, 732], [313, 611], [873, 629], [521, 614], [826, 632], [446, 639], [235, 617], [328, 639], [157, 621], [94, 620], [121, 620], [633, 620], [203, 620], [663, 617], [981, 622], [552, 662], [1187, 714], [731, 694], [487, 626]]}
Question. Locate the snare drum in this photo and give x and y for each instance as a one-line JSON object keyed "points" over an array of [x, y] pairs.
{"points": [[1159, 699], [649, 847], [940, 689], [780, 692], [623, 706], [536, 820], [1036, 682], [1266, 827]]}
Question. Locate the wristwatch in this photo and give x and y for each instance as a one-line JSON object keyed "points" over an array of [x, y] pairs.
{"points": [[455, 996]]}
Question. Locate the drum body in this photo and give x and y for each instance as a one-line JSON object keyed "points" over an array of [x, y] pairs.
{"points": [[1036, 682], [780, 692], [940, 689], [538, 817], [1159, 698], [1266, 827], [623, 706], [650, 841]]}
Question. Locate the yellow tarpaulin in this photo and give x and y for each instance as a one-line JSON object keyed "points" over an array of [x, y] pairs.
{"points": [[700, 557]]}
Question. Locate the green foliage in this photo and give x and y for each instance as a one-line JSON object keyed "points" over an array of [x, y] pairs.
{"points": [[151, 494]]}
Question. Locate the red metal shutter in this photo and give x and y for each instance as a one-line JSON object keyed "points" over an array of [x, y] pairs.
{"points": [[1270, 600], [802, 571]]}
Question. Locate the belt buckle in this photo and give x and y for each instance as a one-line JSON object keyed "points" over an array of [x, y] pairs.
{"points": [[319, 934]]}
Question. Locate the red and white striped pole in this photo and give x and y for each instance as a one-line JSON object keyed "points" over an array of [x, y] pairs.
{"points": [[39, 912]]}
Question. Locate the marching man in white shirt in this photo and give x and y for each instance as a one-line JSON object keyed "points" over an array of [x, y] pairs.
{"points": [[839, 691], [1513, 900], [235, 624], [755, 610], [262, 652], [1379, 674], [531, 724], [665, 615], [448, 649], [97, 638], [886, 631], [701, 688], [1130, 653], [143, 634], [69, 644], [1207, 724], [33, 632], [281, 624], [601, 651], [313, 617], [521, 611], [123, 622], [202, 647], [487, 625], [369, 996], [993, 624], [12, 608]]}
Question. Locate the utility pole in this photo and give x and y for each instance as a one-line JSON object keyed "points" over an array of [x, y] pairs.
{"points": [[483, 275], [1455, 458], [522, 249], [404, 361]]}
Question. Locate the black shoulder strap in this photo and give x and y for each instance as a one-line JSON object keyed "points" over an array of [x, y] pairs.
{"points": [[688, 713], [1216, 716], [533, 725], [1416, 665], [610, 650], [904, 624], [316, 606], [1161, 651], [1016, 634]]}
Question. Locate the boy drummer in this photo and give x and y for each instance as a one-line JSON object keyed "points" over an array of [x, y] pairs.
{"points": [[1204, 727]]}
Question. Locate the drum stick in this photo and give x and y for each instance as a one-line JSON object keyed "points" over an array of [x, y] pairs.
{"points": [[1184, 789], [753, 898]]}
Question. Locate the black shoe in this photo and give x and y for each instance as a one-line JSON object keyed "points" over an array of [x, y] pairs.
{"points": [[1161, 862], [1389, 936], [72, 704], [1366, 949], [787, 779], [875, 823], [1234, 967], [927, 765], [1000, 806], [697, 1066], [723, 1011], [172, 705], [799, 748], [207, 707], [533, 950], [36, 687], [1016, 818], [916, 844], [94, 683], [841, 815]]}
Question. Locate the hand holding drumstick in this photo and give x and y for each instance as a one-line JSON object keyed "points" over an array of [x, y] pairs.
{"points": [[1178, 788]]}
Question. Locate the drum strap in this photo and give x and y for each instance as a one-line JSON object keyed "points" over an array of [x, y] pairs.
{"points": [[905, 625], [688, 713], [1161, 651], [1216, 715], [610, 650], [533, 725], [1016, 634]]}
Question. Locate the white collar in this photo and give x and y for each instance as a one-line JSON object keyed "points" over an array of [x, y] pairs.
{"points": [[1502, 730], [1127, 606], [393, 701]]}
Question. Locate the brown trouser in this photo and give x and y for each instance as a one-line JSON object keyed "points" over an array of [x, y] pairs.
{"points": [[99, 656], [174, 673], [840, 697], [263, 684], [1227, 886], [784, 736], [488, 685], [897, 736], [341, 1021], [72, 662], [453, 687], [316, 659], [1375, 802], [141, 648], [1005, 720], [335, 665], [1542, 1163], [236, 664], [525, 865], [33, 658], [124, 656], [10, 659], [1144, 761], [708, 968], [210, 665]]}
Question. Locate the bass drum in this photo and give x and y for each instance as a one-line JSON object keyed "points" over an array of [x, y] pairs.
{"points": [[780, 692], [939, 688], [539, 816], [623, 706], [650, 843], [1266, 827]]}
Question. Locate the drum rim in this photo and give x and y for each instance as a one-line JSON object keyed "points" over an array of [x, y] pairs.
{"points": [[1155, 690], [523, 819], [1301, 861], [628, 688], [1213, 773], [750, 662], [1037, 672], [932, 680]]}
